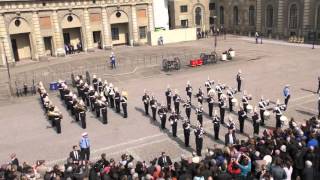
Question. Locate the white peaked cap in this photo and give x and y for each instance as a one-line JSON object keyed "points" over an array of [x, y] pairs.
{"points": [[84, 134], [101, 94], [99, 79], [103, 98], [239, 71], [208, 77], [116, 89], [70, 93], [81, 102], [188, 82], [96, 93], [86, 84], [105, 82], [74, 96], [215, 112], [168, 86], [176, 91], [278, 102], [90, 88], [262, 98], [94, 76], [81, 81], [110, 85]]}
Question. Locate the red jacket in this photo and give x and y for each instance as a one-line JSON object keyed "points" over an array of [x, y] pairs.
{"points": [[233, 171]]}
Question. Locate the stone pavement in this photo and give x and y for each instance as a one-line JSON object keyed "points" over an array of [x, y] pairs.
{"points": [[266, 69]]}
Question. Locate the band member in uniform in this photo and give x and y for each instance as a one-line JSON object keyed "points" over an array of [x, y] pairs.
{"points": [[68, 99], [124, 103], [200, 96], [242, 115], [231, 125], [210, 104], [80, 88], [198, 132], [319, 107], [256, 121], [85, 90], [98, 105], [146, 101], [55, 116], [216, 125], [153, 104], [286, 94], [208, 84], [222, 106], [239, 80], [173, 119], [104, 110], [176, 101], [219, 90], [186, 132], [111, 95], [89, 95], [230, 94], [318, 91], [245, 101], [162, 112], [168, 94], [95, 82], [187, 106], [189, 90], [199, 113], [100, 85], [117, 99], [278, 111], [73, 102], [93, 100], [81, 109], [263, 107], [105, 90]]}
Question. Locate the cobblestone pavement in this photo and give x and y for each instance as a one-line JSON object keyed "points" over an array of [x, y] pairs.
{"points": [[266, 69]]}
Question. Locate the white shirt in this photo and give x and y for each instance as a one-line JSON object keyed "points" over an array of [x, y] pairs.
{"points": [[288, 172]]}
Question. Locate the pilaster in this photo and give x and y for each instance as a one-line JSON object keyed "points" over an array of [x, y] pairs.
{"points": [[106, 29], [134, 24], [40, 49], [88, 32], [280, 19], [306, 17], [259, 15], [57, 35], [150, 17], [6, 50]]}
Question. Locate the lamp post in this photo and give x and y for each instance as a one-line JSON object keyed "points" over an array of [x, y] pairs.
{"points": [[215, 34], [8, 67]]}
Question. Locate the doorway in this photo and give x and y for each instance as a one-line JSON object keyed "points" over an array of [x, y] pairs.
{"points": [[48, 45], [21, 46], [120, 34], [97, 39], [72, 38]]}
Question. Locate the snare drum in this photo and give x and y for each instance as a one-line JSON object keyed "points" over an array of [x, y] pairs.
{"points": [[250, 108], [234, 102], [266, 115], [284, 120]]}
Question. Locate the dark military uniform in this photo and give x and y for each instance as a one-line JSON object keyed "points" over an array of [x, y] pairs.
{"points": [[199, 139], [153, 104], [124, 103], [117, 99], [163, 116], [186, 132], [256, 123], [216, 126], [187, 106], [146, 99], [210, 105], [199, 112], [168, 96], [242, 115], [173, 119]]}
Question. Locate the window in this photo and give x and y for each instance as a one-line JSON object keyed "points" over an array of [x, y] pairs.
{"points": [[269, 16], [293, 17], [184, 8], [198, 16], [184, 23], [251, 16], [318, 18], [221, 15], [115, 33], [212, 6], [96, 36], [211, 20], [142, 32], [235, 15]]}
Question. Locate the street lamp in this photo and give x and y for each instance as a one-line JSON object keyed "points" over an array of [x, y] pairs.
{"points": [[7, 64]]}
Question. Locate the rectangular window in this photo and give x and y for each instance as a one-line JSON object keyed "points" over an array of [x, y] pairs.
{"points": [[184, 23], [142, 32], [115, 33], [212, 6], [184, 8], [96, 36]]}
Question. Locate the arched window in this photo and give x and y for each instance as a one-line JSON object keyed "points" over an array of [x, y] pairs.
{"points": [[221, 15], [293, 17], [251, 16], [318, 18], [269, 16], [235, 15], [198, 16]]}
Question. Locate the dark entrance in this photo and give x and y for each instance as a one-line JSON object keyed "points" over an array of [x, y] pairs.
{"points": [[15, 49]]}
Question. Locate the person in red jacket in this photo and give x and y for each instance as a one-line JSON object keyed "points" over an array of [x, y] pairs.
{"points": [[233, 168]]}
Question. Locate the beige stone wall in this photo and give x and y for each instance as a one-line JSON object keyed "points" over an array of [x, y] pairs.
{"points": [[23, 45], [173, 36], [48, 19]]}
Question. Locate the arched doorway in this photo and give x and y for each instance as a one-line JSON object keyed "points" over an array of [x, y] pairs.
{"points": [[235, 16], [20, 36], [198, 16], [293, 16], [72, 33], [119, 21]]}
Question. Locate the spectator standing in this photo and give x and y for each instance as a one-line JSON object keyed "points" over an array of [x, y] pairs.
{"points": [[85, 147], [245, 166], [286, 94], [257, 37], [113, 60]]}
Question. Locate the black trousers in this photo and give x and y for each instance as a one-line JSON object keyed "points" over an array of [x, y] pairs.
{"points": [[239, 86], [169, 104], [154, 112], [222, 112], [188, 112], [125, 113], [146, 108], [186, 137], [256, 128], [286, 101], [230, 105], [104, 112], [174, 129], [97, 111], [163, 122], [219, 96], [111, 102], [278, 122], [177, 107], [199, 142], [216, 129], [117, 102], [189, 95], [245, 108], [241, 122], [85, 154], [83, 120], [200, 119], [262, 117], [210, 109], [57, 122]]}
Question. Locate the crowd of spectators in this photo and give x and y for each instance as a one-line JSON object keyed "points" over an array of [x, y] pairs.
{"points": [[280, 154]]}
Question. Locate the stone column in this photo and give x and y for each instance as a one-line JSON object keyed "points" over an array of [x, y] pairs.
{"points": [[88, 32], [134, 24], [150, 17], [306, 18], [5, 45], [280, 19], [259, 15], [106, 29], [40, 49], [57, 35]]}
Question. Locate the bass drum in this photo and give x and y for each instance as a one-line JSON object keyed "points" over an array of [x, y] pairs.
{"points": [[250, 108], [266, 115]]}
